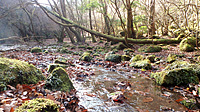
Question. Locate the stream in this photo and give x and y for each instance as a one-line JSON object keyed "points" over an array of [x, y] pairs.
{"points": [[96, 91]]}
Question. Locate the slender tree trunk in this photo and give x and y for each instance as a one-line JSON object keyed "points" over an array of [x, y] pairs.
{"points": [[90, 17], [151, 18]]}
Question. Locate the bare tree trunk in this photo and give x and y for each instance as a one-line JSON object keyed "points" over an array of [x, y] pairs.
{"points": [[151, 18], [90, 16]]}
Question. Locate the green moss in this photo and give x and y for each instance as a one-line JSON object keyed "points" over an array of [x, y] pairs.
{"points": [[113, 57], [64, 50], [145, 64], [82, 46], [59, 80], [171, 58], [121, 46], [95, 54], [177, 73], [178, 76], [126, 57], [188, 44], [38, 105], [36, 50], [128, 50], [190, 104], [137, 58], [53, 66], [86, 56], [13, 72], [89, 47], [101, 41], [150, 49]]}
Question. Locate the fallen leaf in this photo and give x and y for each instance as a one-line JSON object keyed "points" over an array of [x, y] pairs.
{"points": [[148, 99]]}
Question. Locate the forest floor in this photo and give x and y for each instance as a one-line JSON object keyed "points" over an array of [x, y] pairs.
{"points": [[84, 71]]}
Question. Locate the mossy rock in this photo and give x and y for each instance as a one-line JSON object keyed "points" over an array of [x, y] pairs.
{"points": [[101, 41], [145, 64], [125, 57], [137, 58], [59, 80], [82, 46], [188, 44], [89, 47], [150, 49], [186, 47], [53, 66], [73, 47], [38, 105], [177, 73], [64, 50], [128, 50], [121, 46], [151, 58], [61, 60], [178, 76], [13, 72], [171, 58], [95, 54], [36, 50], [113, 57], [86, 56]]}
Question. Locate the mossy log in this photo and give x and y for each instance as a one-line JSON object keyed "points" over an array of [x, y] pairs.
{"points": [[70, 23]]}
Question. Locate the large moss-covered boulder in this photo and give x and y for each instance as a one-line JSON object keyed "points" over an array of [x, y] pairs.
{"points": [[38, 105], [150, 49], [113, 57], [13, 72], [86, 57], [36, 50], [171, 58], [188, 44], [59, 80], [145, 64], [177, 73]]}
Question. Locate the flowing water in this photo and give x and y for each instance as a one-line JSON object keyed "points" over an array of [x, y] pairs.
{"points": [[95, 93]]}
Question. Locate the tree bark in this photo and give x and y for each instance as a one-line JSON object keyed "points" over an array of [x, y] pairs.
{"points": [[151, 18], [90, 19]]}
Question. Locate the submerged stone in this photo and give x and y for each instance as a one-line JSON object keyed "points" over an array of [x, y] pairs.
{"points": [[113, 57], [59, 80], [13, 72], [145, 64], [38, 105]]}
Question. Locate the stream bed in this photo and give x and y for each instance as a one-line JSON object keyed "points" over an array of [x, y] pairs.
{"points": [[96, 92]]}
